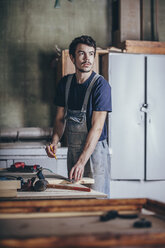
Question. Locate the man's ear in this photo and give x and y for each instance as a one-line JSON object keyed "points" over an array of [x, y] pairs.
{"points": [[72, 58]]}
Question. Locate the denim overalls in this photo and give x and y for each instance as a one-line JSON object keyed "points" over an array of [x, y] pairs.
{"points": [[98, 166]]}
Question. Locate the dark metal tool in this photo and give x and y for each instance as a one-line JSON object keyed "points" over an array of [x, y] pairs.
{"points": [[28, 186], [21, 167], [113, 214], [142, 223]]}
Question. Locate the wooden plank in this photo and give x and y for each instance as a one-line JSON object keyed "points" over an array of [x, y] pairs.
{"points": [[8, 193], [148, 47], [71, 205], [88, 240], [60, 194], [138, 43], [74, 203], [59, 214], [155, 206], [63, 209], [10, 184], [48, 215], [78, 202], [145, 50], [105, 66], [101, 51], [84, 180], [67, 65]]}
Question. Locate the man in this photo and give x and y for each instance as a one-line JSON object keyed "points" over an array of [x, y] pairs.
{"points": [[83, 100]]}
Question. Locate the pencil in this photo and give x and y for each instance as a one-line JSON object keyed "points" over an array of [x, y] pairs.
{"points": [[53, 152]]}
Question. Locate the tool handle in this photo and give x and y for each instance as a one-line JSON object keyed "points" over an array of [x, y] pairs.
{"points": [[19, 165], [58, 186]]}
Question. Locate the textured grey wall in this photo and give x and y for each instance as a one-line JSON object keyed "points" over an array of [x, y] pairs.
{"points": [[29, 32]]}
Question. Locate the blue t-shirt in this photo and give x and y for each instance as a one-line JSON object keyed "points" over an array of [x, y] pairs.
{"points": [[99, 99]]}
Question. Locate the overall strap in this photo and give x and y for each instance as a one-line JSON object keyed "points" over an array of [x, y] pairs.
{"points": [[94, 79], [68, 83]]}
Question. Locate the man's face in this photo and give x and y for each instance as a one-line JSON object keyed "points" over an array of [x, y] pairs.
{"points": [[84, 58]]}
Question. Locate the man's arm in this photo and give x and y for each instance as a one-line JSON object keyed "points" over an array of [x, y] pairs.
{"points": [[58, 131], [98, 119]]}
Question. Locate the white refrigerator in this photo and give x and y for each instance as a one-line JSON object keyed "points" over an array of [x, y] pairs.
{"points": [[137, 124]]}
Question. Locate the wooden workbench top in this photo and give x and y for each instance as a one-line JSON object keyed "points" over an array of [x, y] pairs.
{"points": [[60, 194]]}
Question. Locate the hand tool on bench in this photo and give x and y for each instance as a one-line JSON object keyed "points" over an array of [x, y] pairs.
{"points": [[21, 167], [42, 185]]}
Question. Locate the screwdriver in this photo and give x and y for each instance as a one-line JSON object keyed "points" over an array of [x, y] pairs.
{"points": [[51, 148]]}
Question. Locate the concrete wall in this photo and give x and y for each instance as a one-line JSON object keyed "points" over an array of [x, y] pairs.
{"points": [[29, 33]]}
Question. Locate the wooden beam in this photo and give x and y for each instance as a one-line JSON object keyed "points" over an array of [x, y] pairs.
{"points": [[72, 205], [148, 47], [155, 206], [88, 240]]}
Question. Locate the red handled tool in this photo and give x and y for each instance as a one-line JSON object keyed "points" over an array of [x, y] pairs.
{"points": [[21, 167]]}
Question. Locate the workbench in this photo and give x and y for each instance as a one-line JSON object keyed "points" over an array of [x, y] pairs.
{"points": [[77, 223], [62, 190]]}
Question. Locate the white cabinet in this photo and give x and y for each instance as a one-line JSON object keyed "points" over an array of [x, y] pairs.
{"points": [[126, 76], [137, 132], [155, 157], [137, 124]]}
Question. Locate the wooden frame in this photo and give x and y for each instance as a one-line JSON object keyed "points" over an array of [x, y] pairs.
{"points": [[156, 239], [80, 205]]}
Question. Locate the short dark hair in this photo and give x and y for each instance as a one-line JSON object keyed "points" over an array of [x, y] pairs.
{"points": [[84, 39]]}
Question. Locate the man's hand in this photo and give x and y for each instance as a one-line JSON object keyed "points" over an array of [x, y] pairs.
{"points": [[77, 172], [51, 150]]}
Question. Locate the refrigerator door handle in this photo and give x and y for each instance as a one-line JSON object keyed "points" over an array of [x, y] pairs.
{"points": [[144, 108], [141, 115]]}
